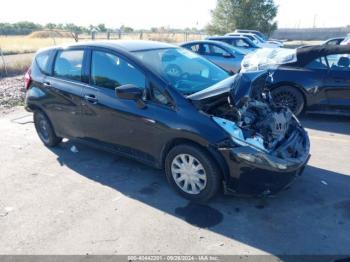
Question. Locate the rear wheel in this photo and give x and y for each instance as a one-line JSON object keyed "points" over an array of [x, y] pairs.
{"points": [[192, 172], [290, 97], [45, 130]]}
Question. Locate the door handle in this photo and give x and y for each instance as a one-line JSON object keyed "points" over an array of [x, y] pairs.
{"points": [[91, 99], [149, 121], [47, 84]]}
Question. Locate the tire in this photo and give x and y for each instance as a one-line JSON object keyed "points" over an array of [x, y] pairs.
{"points": [[289, 96], [210, 179], [45, 130]]}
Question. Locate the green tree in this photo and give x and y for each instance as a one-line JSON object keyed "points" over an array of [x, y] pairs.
{"points": [[243, 14], [128, 29], [102, 28], [74, 30], [50, 26]]}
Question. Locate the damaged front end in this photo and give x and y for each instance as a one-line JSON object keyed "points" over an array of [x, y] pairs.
{"points": [[267, 148]]}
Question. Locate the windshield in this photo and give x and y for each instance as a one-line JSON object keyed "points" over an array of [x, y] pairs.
{"points": [[259, 38], [186, 71]]}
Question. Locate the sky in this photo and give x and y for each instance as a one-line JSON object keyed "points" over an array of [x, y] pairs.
{"points": [[169, 13]]}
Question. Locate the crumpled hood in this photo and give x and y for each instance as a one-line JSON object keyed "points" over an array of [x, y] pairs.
{"points": [[237, 86]]}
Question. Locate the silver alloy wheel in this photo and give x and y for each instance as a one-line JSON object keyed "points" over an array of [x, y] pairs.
{"points": [[189, 174]]}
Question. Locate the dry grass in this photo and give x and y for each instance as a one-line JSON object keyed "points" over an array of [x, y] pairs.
{"points": [[15, 64], [41, 39], [50, 34], [26, 44]]}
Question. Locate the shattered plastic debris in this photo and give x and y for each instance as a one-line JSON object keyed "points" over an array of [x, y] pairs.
{"points": [[6, 211], [74, 149], [117, 198], [9, 209], [324, 182]]}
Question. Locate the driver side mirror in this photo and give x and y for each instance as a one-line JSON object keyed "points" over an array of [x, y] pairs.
{"points": [[131, 92], [228, 55], [128, 92]]}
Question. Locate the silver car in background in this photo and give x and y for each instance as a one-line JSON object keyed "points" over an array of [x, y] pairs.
{"points": [[220, 53], [258, 40]]}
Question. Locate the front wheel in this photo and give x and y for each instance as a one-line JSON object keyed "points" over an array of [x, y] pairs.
{"points": [[192, 172], [290, 97], [45, 130]]}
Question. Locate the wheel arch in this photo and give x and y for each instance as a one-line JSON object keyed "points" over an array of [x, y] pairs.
{"points": [[212, 152], [35, 107]]}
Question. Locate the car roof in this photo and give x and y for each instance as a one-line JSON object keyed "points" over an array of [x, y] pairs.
{"points": [[307, 54], [244, 33], [247, 30], [125, 45], [335, 38], [206, 42], [228, 37]]}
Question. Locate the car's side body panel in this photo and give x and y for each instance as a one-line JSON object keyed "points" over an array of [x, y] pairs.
{"points": [[322, 74], [309, 82], [120, 125]]}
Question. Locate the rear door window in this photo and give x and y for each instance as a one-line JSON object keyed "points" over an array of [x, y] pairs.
{"points": [[69, 64], [339, 62], [42, 60], [111, 71], [194, 48], [218, 51], [241, 43]]}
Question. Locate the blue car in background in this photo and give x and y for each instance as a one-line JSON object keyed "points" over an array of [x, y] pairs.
{"points": [[240, 42], [220, 53]]}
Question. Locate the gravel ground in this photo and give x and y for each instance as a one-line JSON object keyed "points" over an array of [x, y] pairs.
{"points": [[12, 93]]}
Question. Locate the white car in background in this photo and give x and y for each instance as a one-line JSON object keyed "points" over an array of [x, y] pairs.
{"points": [[258, 40], [346, 41]]}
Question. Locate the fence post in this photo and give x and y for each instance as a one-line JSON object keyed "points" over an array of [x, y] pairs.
{"points": [[186, 36], [141, 35], [108, 35], [53, 36], [3, 61]]}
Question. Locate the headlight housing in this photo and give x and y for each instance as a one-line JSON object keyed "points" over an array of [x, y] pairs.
{"points": [[237, 136]]}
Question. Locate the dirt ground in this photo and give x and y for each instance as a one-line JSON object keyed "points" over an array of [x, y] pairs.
{"points": [[12, 93], [55, 201]]}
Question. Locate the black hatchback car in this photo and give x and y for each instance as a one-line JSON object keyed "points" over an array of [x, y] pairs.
{"points": [[169, 108]]}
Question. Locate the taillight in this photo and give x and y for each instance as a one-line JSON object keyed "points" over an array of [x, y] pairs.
{"points": [[27, 79]]}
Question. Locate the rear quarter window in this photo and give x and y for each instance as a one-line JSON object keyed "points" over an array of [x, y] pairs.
{"points": [[68, 64], [43, 61]]}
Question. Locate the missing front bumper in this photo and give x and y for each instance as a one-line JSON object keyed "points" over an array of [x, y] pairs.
{"points": [[258, 174]]}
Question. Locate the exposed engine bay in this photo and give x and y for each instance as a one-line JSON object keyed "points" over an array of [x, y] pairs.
{"points": [[249, 115], [256, 122]]}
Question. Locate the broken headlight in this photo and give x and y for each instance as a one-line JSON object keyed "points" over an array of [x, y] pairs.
{"points": [[236, 133]]}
